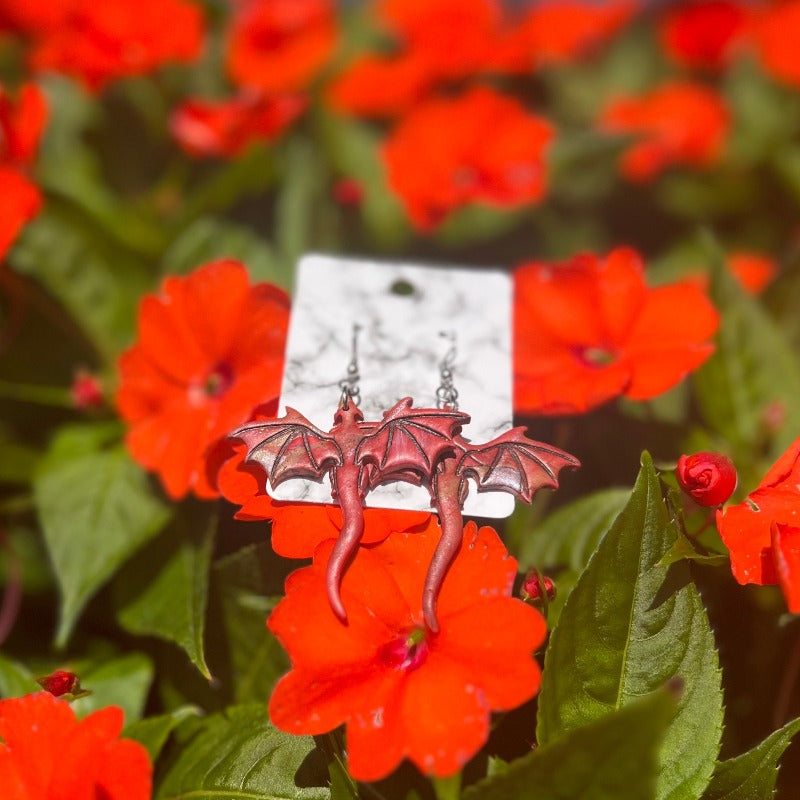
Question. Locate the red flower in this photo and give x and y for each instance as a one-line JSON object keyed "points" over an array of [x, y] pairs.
{"points": [[280, 45], [746, 528], [46, 753], [786, 552], [564, 30], [297, 528], [209, 350], [677, 123], [228, 127], [708, 478], [402, 690], [33, 16], [705, 34], [590, 329], [479, 147], [776, 35], [753, 270], [22, 121]]}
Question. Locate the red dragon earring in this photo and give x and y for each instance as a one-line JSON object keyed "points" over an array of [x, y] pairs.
{"points": [[422, 446]]}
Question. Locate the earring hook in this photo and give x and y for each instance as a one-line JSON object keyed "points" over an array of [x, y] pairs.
{"points": [[349, 384]]}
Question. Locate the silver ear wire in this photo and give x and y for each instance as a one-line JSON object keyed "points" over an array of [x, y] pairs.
{"points": [[446, 393], [349, 384]]}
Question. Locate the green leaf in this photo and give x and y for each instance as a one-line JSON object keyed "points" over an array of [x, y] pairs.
{"points": [[163, 591], [96, 510], [752, 775], [628, 627], [15, 679], [208, 238], [614, 757], [153, 732], [96, 280], [563, 543], [123, 681], [752, 369], [354, 150], [238, 754], [256, 659]]}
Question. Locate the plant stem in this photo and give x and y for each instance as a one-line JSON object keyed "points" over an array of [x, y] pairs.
{"points": [[447, 788], [33, 393]]}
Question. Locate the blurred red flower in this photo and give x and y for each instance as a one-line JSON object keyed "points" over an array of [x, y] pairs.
{"points": [[33, 16], [297, 528], [99, 42], [402, 690], [590, 329], [746, 528], [46, 753], [776, 36], [22, 120], [705, 34], [209, 350], [478, 147], [280, 45], [708, 478], [228, 127], [556, 31], [786, 552], [676, 123], [754, 271]]}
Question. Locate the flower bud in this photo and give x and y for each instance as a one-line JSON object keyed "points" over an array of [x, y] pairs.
{"points": [[535, 586], [348, 192], [708, 478], [60, 682], [86, 390]]}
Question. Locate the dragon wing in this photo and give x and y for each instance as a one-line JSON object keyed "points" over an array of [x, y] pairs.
{"points": [[289, 447], [409, 442], [513, 463]]}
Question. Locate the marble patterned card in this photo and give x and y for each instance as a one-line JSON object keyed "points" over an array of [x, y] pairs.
{"points": [[402, 310]]}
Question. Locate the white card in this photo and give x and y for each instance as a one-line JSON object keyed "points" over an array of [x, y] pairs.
{"points": [[401, 310]]}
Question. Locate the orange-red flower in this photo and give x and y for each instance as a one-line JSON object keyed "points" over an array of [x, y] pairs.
{"points": [[280, 45], [47, 754], [676, 123], [746, 528], [753, 270], [403, 691], [228, 127], [705, 34], [209, 351], [590, 329], [33, 16], [556, 31], [297, 528], [776, 36], [786, 552], [22, 121], [478, 147], [99, 42]]}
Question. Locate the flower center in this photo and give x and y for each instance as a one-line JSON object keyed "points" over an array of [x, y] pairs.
{"points": [[595, 356], [406, 652], [218, 381]]}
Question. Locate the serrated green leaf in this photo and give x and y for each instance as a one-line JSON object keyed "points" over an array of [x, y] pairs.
{"points": [[752, 775], [627, 628], [256, 659], [752, 369], [563, 543], [96, 510], [163, 591], [209, 238], [614, 757], [16, 679], [153, 732], [123, 681], [238, 754]]}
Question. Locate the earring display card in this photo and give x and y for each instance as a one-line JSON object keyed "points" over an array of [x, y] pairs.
{"points": [[407, 314]]}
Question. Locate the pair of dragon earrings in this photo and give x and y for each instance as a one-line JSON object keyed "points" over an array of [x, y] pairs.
{"points": [[421, 446]]}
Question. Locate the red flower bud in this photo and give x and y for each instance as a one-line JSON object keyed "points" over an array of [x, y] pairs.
{"points": [[708, 478], [535, 586], [86, 391], [60, 682], [348, 192]]}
